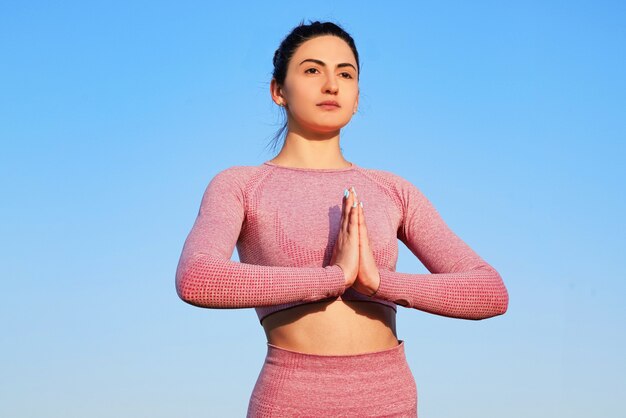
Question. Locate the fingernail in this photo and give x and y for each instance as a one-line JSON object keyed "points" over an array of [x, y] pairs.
{"points": [[346, 193], [354, 191], [361, 203], [354, 204]]}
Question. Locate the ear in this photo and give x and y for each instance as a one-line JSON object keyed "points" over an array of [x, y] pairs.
{"points": [[277, 93], [356, 103]]}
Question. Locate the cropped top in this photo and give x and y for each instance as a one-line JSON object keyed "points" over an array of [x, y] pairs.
{"points": [[284, 222]]}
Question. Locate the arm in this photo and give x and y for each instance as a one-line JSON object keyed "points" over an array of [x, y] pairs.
{"points": [[206, 276], [462, 285]]}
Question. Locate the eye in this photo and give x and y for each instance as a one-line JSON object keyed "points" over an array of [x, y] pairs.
{"points": [[308, 69], [348, 75]]}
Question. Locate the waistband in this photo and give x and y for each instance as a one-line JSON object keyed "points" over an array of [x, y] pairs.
{"points": [[279, 355]]}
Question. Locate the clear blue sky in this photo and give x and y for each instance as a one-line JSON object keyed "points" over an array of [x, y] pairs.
{"points": [[114, 116]]}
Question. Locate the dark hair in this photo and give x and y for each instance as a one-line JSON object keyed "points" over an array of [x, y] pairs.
{"points": [[290, 44]]}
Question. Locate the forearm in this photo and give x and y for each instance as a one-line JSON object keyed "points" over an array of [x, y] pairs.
{"points": [[475, 294], [214, 282]]}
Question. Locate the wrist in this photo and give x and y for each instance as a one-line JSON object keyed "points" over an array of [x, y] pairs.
{"points": [[345, 279], [377, 286]]}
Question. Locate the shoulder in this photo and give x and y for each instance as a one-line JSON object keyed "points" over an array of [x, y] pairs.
{"points": [[407, 196], [236, 174], [233, 179], [238, 170], [392, 181]]}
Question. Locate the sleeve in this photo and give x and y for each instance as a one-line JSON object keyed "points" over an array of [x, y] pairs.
{"points": [[206, 277], [462, 284]]}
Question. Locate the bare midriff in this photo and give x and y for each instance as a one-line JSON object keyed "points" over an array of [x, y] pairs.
{"points": [[336, 327]]}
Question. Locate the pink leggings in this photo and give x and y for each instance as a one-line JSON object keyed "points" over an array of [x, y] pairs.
{"points": [[375, 384]]}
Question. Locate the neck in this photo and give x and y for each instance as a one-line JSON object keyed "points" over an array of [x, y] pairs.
{"points": [[322, 151]]}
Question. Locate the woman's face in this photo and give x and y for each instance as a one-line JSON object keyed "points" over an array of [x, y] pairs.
{"points": [[322, 69]]}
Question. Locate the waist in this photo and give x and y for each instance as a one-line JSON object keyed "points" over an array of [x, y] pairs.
{"points": [[336, 327]]}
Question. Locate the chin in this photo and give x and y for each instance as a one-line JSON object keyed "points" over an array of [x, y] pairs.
{"points": [[332, 127], [324, 125], [328, 128]]}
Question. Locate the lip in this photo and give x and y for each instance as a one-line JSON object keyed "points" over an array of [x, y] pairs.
{"points": [[329, 103]]}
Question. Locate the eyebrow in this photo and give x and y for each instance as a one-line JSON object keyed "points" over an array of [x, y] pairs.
{"points": [[323, 64]]}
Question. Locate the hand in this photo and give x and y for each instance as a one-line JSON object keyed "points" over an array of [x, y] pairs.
{"points": [[346, 250], [368, 278]]}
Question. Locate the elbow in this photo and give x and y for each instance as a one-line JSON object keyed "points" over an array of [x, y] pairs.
{"points": [[499, 306], [190, 291], [501, 296], [181, 291], [184, 289], [190, 287], [503, 305], [181, 279], [497, 299], [207, 281]]}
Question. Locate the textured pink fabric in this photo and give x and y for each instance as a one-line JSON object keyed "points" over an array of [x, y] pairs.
{"points": [[293, 384], [284, 222]]}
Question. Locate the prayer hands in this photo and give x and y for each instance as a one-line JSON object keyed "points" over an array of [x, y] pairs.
{"points": [[352, 251]]}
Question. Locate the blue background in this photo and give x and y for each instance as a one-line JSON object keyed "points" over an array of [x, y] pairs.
{"points": [[114, 116]]}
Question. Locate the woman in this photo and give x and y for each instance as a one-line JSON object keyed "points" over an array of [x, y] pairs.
{"points": [[319, 268]]}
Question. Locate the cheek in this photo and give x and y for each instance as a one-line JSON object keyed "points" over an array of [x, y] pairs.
{"points": [[304, 91], [354, 92], [296, 96]]}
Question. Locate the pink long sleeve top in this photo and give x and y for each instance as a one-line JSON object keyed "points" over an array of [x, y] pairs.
{"points": [[284, 222]]}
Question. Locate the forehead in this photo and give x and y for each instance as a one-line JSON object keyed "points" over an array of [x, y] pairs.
{"points": [[327, 48]]}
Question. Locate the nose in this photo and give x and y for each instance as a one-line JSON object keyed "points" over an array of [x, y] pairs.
{"points": [[331, 86]]}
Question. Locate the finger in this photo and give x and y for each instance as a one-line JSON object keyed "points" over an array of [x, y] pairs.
{"points": [[362, 233], [345, 210], [355, 199], [362, 216], [361, 219], [354, 216], [362, 225]]}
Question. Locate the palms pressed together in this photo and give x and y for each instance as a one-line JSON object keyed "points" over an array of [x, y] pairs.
{"points": [[352, 251]]}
